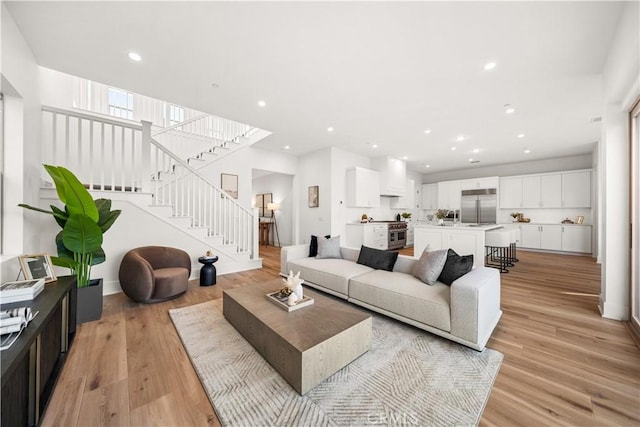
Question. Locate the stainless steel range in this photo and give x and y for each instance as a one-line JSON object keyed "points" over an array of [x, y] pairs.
{"points": [[397, 234]]}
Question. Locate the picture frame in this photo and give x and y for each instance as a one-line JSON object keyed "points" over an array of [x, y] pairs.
{"points": [[37, 266], [262, 200], [314, 196], [229, 184], [580, 219]]}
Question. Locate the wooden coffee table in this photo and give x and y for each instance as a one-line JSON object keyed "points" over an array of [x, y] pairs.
{"points": [[305, 346]]}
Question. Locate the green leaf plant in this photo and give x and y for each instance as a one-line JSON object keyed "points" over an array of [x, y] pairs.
{"points": [[83, 221]]}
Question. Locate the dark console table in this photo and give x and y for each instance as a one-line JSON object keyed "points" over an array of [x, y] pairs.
{"points": [[30, 367]]}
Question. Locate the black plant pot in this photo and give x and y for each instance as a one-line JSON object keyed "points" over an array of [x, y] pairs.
{"points": [[89, 302]]}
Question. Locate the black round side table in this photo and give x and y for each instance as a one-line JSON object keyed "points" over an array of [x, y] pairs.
{"points": [[208, 270]]}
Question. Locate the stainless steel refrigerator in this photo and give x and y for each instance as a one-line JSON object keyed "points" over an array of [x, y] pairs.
{"points": [[479, 206]]}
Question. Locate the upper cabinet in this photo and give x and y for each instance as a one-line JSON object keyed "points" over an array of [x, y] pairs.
{"points": [[363, 188], [553, 190], [393, 175], [474, 184], [406, 201], [429, 196], [449, 195], [576, 189]]}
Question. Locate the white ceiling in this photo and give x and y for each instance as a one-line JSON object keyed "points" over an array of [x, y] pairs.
{"points": [[378, 73]]}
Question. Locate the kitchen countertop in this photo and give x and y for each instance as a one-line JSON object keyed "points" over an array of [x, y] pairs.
{"points": [[543, 223], [459, 226]]}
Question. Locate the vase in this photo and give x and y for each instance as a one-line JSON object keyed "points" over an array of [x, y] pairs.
{"points": [[441, 221], [89, 303], [298, 291]]}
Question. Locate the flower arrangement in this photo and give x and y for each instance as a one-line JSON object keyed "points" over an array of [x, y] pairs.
{"points": [[442, 213]]}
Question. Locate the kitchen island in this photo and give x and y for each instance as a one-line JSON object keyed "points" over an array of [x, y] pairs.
{"points": [[465, 239]]}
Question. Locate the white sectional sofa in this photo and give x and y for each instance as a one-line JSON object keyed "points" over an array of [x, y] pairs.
{"points": [[465, 312]]}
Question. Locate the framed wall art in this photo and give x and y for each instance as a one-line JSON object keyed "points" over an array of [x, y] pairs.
{"points": [[314, 196], [229, 184], [38, 266]]}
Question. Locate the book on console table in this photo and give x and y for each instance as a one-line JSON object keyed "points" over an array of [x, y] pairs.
{"points": [[280, 299], [22, 290]]}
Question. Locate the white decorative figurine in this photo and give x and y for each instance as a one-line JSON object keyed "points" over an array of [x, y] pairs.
{"points": [[294, 284]]}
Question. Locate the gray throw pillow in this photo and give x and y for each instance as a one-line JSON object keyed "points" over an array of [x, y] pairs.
{"points": [[329, 248], [430, 265]]}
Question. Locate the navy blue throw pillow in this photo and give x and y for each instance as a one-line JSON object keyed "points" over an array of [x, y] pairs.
{"points": [[455, 267], [377, 258]]}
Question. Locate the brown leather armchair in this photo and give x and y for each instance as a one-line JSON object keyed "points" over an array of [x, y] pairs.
{"points": [[154, 273]]}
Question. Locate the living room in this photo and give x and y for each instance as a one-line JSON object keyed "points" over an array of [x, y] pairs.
{"points": [[28, 57]]}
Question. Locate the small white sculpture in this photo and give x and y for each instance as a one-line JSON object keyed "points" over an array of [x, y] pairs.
{"points": [[294, 284], [292, 300]]}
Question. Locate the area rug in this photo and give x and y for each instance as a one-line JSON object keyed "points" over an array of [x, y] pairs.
{"points": [[409, 377]]}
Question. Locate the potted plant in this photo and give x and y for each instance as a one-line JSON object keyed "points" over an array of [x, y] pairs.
{"points": [[441, 214], [516, 216], [79, 243], [406, 215]]}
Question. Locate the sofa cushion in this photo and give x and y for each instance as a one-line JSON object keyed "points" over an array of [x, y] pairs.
{"points": [[430, 265], [455, 267], [403, 294], [329, 248], [313, 245], [377, 258], [333, 274]]}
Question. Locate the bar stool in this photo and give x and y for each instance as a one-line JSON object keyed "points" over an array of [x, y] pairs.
{"points": [[513, 237], [497, 244]]}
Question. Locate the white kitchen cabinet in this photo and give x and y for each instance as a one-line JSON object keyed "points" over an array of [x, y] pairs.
{"points": [[429, 196], [363, 188], [410, 234], [406, 201], [474, 184], [576, 238], [393, 175], [547, 237], [417, 196], [542, 191], [371, 235], [449, 195], [576, 189], [511, 192]]}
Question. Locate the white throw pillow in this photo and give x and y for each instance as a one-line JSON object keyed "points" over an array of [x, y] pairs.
{"points": [[329, 248]]}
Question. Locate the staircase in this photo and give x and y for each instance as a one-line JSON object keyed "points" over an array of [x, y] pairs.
{"points": [[125, 158]]}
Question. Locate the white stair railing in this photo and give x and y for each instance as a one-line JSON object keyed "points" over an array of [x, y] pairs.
{"points": [[202, 134], [118, 155]]}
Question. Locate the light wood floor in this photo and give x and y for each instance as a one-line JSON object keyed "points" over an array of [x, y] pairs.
{"points": [[563, 364]]}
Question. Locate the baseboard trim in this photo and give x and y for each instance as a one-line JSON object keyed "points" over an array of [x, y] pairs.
{"points": [[634, 331]]}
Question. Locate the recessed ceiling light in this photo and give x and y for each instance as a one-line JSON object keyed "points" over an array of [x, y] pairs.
{"points": [[329, 129], [404, 157], [527, 151], [489, 66], [135, 56], [470, 160], [427, 166], [476, 150], [453, 148], [508, 109], [262, 104], [460, 138], [521, 135], [375, 145], [286, 147], [427, 131]]}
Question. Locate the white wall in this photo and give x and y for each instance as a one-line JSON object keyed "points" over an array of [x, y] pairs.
{"points": [[621, 83], [281, 188], [314, 169], [522, 168], [22, 169]]}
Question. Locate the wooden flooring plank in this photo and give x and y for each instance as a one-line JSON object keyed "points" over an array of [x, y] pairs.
{"points": [[563, 363]]}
